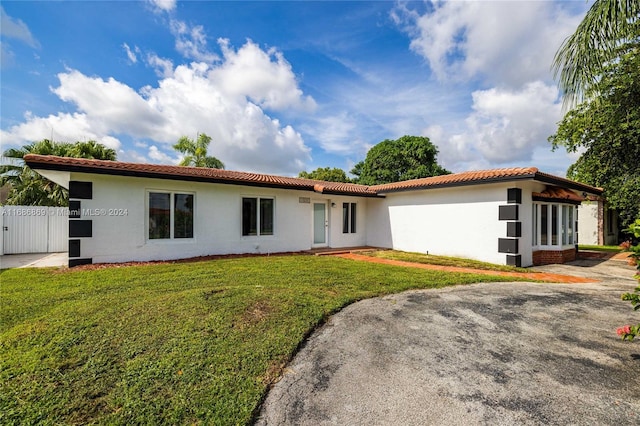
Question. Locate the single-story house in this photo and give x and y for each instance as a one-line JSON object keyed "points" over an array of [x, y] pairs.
{"points": [[138, 212]]}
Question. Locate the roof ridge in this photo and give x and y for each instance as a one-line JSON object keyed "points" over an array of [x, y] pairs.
{"points": [[469, 175], [166, 171], [203, 173]]}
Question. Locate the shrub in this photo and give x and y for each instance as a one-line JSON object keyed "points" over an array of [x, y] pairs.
{"points": [[629, 332]]}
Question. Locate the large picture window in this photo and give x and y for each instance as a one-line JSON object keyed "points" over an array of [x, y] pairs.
{"points": [[170, 215], [348, 218], [257, 216], [554, 224]]}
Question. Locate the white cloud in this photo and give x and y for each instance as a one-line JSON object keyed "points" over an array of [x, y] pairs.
{"points": [[191, 42], [506, 126], [111, 106], [504, 51], [338, 134], [131, 156], [163, 67], [163, 5], [193, 98], [16, 29], [504, 43], [266, 77], [61, 127], [131, 54], [161, 157]]}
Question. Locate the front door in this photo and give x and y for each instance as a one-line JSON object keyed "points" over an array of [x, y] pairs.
{"points": [[320, 224]]}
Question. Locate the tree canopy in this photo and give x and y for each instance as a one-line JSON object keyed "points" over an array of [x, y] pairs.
{"points": [[410, 157], [195, 152], [581, 58], [606, 129], [327, 174], [28, 188]]}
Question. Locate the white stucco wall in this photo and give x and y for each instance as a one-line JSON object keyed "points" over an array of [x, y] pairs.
{"points": [[588, 223], [217, 220], [460, 221]]}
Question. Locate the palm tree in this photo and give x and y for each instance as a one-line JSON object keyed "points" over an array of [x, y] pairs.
{"points": [[28, 188], [582, 56], [92, 150], [195, 152]]}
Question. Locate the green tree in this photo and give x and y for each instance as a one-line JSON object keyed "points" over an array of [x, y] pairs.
{"points": [[91, 150], [606, 128], [326, 174], [582, 56], [410, 157], [195, 152], [28, 188]]}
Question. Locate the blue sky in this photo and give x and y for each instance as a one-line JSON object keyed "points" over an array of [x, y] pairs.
{"points": [[288, 86]]}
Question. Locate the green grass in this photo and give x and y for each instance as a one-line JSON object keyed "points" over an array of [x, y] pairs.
{"points": [[431, 259], [611, 249], [185, 343]]}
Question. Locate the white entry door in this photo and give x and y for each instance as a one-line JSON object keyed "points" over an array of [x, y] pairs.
{"points": [[320, 224]]}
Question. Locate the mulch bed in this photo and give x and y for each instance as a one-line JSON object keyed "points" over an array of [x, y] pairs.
{"points": [[95, 266]]}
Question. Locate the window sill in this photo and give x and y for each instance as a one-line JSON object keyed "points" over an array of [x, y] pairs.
{"points": [[171, 241]]}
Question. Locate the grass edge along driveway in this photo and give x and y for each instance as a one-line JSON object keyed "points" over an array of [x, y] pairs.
{"points": [[195, 343]]}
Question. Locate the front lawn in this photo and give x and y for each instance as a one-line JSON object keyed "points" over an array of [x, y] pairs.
{"points": [[183, 343], [609, 249]]}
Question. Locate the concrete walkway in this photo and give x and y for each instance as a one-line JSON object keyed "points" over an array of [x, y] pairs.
{"points": [[489, 353], [33, 260]]}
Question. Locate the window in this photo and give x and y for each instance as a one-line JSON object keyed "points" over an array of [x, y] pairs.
{"points": [[544, 223], [183, 226], [534, 225], [170, 215], [257, 216], [348, 218], [554, 224], [570, 226], [567, 225]]}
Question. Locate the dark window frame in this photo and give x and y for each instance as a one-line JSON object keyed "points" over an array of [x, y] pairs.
{"points": [[258, 216], [349, 218], [178, 222]]}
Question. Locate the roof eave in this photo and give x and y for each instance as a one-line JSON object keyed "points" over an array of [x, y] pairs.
{"points": [[461, 183], [352, 194], [188, 178], [567, 183], [557, 200]]}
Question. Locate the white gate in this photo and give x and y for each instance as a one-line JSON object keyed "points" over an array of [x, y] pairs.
{"points": [[33, 229]]}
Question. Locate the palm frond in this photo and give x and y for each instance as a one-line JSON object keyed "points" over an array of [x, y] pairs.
{"points": [[577, 63]]}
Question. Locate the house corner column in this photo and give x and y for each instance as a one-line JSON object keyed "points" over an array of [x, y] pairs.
{"points": [[79, 229], [510, 213]]}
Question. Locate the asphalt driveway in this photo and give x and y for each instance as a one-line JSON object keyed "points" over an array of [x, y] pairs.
{"points": [[505, 353]]}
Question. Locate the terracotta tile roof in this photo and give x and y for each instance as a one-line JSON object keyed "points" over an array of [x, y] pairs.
{"points": [[557, 193], [256, 179], [483, 176], [201, 174], [455, 179]]}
